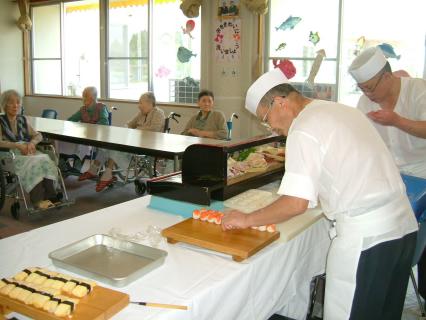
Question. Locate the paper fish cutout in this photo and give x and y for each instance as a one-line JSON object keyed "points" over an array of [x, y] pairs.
{"points": [[162, 72], [388, 51], [184, 54], [190, 25], [190, 82], [314, 37], [281, 46], [289, 23], [315, 67]]}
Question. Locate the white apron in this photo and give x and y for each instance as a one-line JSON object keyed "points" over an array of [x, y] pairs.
{"points": [[345, 250]]}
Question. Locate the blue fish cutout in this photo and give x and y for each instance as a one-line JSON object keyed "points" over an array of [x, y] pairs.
{"points": [[184, 54], [388, 51], [289, 23], [314, 38]]}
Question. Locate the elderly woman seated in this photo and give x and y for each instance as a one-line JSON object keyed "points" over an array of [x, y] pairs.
{"points": [[93, 112], [149, 118], [207, 123], [36, 171]]}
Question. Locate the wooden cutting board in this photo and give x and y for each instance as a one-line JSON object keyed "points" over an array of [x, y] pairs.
{"points": [[101, 303], [240, 244]]}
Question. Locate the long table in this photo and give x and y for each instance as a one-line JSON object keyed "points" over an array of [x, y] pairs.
{"points": [[166, 145], [212, 285]]}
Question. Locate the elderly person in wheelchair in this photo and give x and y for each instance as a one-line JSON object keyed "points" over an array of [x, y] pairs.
{"points": [[36, 171], [149, 118], [92, 111]]}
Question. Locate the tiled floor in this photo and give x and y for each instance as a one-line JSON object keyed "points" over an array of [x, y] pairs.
{"points": [[411, 306]]}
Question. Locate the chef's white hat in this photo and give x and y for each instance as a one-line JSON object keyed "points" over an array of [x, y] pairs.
{"points": [[367, 64], [261, 86]]}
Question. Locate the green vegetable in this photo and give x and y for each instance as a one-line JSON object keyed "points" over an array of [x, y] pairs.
{"points": [[245, 153]]}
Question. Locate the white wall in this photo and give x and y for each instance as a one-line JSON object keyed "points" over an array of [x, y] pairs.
{"points": [[229, 90], [11, 63]]}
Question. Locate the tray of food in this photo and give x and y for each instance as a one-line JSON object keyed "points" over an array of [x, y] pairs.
{"points": [[107, 259], [44, 294]]}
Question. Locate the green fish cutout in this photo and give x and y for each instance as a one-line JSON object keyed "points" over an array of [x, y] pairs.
{"points": [[314, 38], [281, 46], [289, 23], [184, 54]]}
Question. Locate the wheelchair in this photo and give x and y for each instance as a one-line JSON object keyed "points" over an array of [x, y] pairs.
{"points": [[11, 186], [142, 167]]}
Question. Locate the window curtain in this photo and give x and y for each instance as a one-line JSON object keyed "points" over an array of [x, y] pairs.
{"points": [[24, 22]]}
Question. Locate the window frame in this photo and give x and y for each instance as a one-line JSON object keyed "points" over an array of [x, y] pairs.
{"points": [[104, 90]]}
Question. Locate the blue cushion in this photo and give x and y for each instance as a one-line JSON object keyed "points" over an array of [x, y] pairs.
{"points": [[416, 191]]}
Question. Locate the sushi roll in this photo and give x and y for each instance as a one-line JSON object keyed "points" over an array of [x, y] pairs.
{"points": [[4, 282], [66, 307], [59, 281], [15, 291], [212, 216], [271, 228], [254, 227], [25, 293], [218, 218], [261, 228], [7, 288], [42, 277], [196, 214], [33, 276], [83, 288], [21, 276], [50, 306], [204, 216], [70, 285], [40, 298]]}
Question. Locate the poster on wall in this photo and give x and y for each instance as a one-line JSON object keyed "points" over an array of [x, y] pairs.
{"points": [[227, 40], [228, 9]]}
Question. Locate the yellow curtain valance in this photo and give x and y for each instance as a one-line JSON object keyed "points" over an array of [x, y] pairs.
{"points": [[114, 5]]}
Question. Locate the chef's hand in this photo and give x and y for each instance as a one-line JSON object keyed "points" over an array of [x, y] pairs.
{"points": [[384, 117], [235, 219]]}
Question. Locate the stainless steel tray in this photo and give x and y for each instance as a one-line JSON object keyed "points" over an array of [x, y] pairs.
{"points": [[107, 259]]}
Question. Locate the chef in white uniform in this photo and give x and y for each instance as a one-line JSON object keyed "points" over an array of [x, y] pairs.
{"points": [[397, 108], [335, 157]]}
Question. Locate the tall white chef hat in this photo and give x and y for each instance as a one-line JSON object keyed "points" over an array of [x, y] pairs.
{"points": [[367, 64], [261, 86]]}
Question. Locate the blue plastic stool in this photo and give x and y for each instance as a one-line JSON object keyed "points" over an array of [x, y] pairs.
{"points": [[416, 192]]}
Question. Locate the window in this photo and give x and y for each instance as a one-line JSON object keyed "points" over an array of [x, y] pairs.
{"points": [[144, 50], [384, 22]]}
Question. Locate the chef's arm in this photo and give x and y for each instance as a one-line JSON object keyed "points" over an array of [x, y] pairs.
{"points": [[415, 128], [280, 210]]}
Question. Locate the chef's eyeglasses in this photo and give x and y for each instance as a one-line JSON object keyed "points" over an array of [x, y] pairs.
{"points": [[264, 121], [369, 91]]}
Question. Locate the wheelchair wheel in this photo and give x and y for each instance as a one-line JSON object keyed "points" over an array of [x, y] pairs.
{"points": [[14, 209], [140, 187], [2, 187]]}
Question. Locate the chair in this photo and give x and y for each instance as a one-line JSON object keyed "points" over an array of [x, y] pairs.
{"points": [[11, 186], [416, 192], [49, 114]]}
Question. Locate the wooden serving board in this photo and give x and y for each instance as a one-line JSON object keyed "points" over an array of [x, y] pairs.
{"points": [[101, 303], [240, 244]]}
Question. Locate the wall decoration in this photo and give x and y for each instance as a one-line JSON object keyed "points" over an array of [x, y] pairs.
{"points": [[389, 51], [281, 46], [289, 23], [228, 8], [257, 6], [315, 67], [286, 66], [184, 54], [162, 72], [314, 37], [227, 40], [190, 25]]}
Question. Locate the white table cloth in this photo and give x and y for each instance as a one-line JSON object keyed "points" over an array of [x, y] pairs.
{"points": [[212, 285]]}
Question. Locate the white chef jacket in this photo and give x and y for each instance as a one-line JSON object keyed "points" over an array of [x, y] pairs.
{"points": [[334, 154], [409, 152]]}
